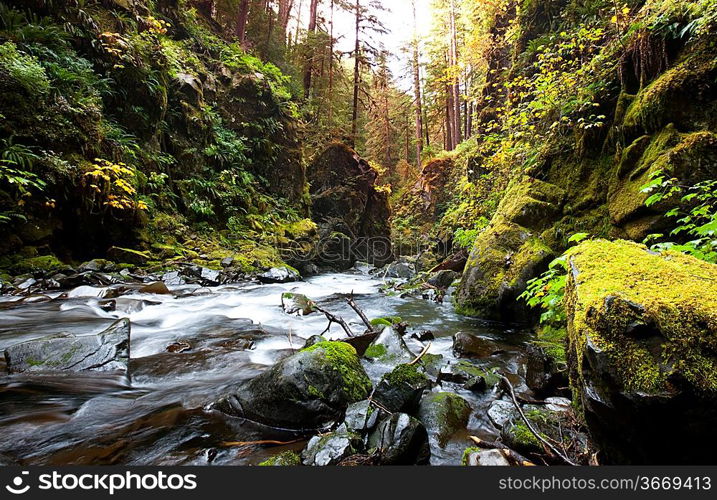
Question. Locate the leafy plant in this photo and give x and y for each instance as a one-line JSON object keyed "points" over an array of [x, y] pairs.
{"points": [[112, 185], [695, 212], [24, 69]]}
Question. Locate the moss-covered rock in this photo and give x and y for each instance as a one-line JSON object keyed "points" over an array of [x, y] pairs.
{"points": [[306, 390], [285, 459], [443, 414], [400, 390], [642, 332], [510, 251]]}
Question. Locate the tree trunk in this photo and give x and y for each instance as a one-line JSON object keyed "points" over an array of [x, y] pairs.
{"points": [[285, 7], [357, 76], [417, 90], [331, 68], [242, 19], [455, 87], [310, 49]]}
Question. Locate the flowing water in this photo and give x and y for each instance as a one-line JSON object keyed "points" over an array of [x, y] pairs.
{"points": [[157, 415]]}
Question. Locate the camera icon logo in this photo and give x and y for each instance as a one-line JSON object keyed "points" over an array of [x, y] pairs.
{"points": [[17, 488]]}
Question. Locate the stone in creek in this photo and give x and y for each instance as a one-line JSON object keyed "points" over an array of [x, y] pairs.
{"points": [[128, 256], [401, 389], [484, 458], [470, 345], [443, 279], [285, 459], [157, 288], [501, 411], [332, 448], [400, 270], [361, 416], [210, 276], [444, 414], [227, 262], [314, 339], [173, 278], [296, 303], [424, 335], [279, 275], [179, 347], [401, 440], [304, 391], [93, 265], [389, 346], [108, 350]]}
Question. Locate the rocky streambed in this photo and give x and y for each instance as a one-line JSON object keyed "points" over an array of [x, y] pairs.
{"points": [[197, 375]]}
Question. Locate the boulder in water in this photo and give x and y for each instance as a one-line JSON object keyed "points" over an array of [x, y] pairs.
{"points": [[305, 391], [279, 275], [474, 457], [444, 414], [106, 351], [332, 448], [401, 389], [401, 440]]}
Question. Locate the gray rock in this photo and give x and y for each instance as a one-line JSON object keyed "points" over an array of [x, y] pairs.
{"points": [[173, 278], [443, 414], [401, 440], [401, 389], [304, 391], [279, 275], [108, 350], [156, 288], [332, 448], [485, 458], [400, 270], [558, 404], [363, 267], [472, 345], [443, 279], [210, 276], [500, 412], [296, 303], [361, 416], [227, 262], [314, 339]]}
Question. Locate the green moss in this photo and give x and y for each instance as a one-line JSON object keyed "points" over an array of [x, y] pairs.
{"points": [[285, 459], [45, 263], [406, 374], [615, 285], [343, 358], [468, 452], [375, 351]]}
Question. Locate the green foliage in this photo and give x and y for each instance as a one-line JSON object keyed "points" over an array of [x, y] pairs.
{"points": [[24, 69], [695, 214]]}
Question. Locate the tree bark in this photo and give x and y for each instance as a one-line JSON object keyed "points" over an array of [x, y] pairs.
{"points": [[455, 87], [308, 71], [417, 89], [285, 7], [357, 76], [242, 18]]}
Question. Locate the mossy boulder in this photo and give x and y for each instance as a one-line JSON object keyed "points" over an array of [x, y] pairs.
{"points": [[400, 440], [642, 338], [401, 389], [128, 256], [443, 414], [304, 391], [510, 251], [331, 449]]}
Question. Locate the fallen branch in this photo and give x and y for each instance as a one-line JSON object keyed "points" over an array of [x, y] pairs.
{"points": [[334, 319], [423, 353], [357, 309], [509, 454], [527, 422]]}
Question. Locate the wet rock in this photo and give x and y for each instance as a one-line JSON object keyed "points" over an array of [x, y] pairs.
{"points": [[108, 350], [296, 303], [127, 256], [173, 278], [157, 288], [484, 458], [401, 389], [542, 373], [227, 262], [313, 340], [285, 459], [209, 276], [501, 411], [473, 378], [332, 448], [307, 268], [179, 347], [400, 270], [443, 414], [304, 391], [95, 265], [443, 279], [424, 335], [108, 305], [279, 275], [641, 350], [558, 404], [389, 347], [363, 267], [472, 345], [401, 440], [26, 284], [361, 416]]}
